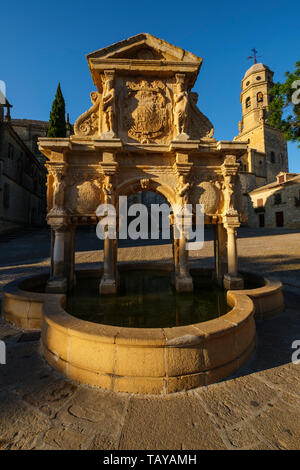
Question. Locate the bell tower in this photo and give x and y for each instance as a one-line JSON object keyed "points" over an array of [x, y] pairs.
{"points": [[267, 154], [256, 85]]}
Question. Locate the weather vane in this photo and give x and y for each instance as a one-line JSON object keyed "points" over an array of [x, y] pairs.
{"points": [[254, 56]]}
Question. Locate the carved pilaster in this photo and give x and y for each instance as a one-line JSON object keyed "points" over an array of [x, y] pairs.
{"points": [[58, 173], [229, 171]]}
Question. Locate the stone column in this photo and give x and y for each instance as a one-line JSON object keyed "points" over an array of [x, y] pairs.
{"points": [[69, 248], [232, 251], [232, 280], [58, 281], [175, 249], [183, 279], [220, 252], [108, 284]]}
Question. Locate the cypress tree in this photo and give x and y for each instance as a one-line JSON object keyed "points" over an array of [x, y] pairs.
{"points": [[57, 123]]}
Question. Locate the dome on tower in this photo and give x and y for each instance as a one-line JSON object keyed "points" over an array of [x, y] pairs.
{"points": [[255, 68]]}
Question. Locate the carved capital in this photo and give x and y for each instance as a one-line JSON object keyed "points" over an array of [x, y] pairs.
{"points": [[230, 165], [231, 221]]}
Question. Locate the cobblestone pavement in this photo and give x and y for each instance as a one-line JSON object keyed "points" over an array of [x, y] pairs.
{"points": [[258, 408]]}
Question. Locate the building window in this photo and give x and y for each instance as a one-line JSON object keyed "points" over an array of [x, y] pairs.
{"points": [[272, 157], [248, 102], [6, 196], [260, 202], [277, 198], [10, 151], [260, 97], [258, 77], [20, 170], [248, 83], [281, 179]]}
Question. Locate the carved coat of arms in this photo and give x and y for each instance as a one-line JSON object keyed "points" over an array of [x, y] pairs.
{"points": [[147, 113]]}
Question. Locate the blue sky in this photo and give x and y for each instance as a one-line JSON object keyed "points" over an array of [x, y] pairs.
{"points": [[46, 42]]}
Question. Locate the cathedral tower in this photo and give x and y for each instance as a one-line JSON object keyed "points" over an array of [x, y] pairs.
{"points": [[267, 155]]}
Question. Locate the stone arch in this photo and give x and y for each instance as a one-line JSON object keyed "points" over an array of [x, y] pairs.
{"points": [[134, 185]]}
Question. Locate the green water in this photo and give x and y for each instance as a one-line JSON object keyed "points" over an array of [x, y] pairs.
{"points": [[146, 299]]}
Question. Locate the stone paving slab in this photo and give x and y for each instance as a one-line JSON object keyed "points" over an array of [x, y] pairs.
{"points": [[257, 408]]}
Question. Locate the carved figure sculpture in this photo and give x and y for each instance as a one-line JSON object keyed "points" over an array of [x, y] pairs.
{"points": [[108, 189], [183, 189], [108, 103], [228, 194], [59, 185], [181, 106]]}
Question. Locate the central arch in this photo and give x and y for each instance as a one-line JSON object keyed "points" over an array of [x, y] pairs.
{"points": [[135, 185]]}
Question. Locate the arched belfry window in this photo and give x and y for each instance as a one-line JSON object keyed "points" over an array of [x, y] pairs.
{"points": [[248, 102], [260, 97]]}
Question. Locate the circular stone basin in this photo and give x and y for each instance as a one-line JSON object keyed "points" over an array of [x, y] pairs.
{"points": [[151, 360], [146, 299], [145, 360]]}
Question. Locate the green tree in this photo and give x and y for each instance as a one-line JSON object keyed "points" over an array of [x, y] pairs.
{"points": [[284, 108], [57, 123]]}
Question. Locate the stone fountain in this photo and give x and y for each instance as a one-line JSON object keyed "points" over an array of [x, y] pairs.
{"points": [[144, 131]]}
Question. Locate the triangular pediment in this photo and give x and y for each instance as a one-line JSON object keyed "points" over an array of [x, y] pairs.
{"points": [[144, 46]]}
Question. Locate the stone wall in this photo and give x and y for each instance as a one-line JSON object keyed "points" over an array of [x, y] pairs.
{"points": [[22, 182], [291, 211]]}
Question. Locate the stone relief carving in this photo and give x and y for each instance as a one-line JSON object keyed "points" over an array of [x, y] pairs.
{"points": [[207, 190], [189, 122], [228, 190], [229, 170], [144, 110], [58, 190], [209, 197], [146, 113], [108, 105], [108, 189], [88, 123], [182, 189], [181, 108], [88, 197], [200, 126], [83, 193]]}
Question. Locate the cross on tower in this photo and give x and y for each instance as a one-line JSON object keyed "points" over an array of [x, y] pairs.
{"points": [[254, 56]]}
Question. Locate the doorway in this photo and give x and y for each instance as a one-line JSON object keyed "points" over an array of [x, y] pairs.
{"points": [[261, 218], [279, 219]]}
